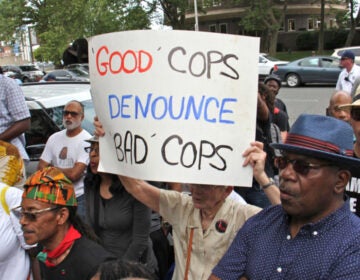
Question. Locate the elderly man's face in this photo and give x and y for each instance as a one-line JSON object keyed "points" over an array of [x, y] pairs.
{"points": [[307, 196], [208, 197], [41, 227], [72, 116]]}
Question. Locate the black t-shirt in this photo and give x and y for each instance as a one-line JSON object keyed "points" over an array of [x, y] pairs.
{"points": [[279, 104], [80, 264], [281, 119]]}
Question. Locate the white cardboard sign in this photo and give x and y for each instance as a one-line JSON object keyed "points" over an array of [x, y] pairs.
{"points": [[177, 106]]}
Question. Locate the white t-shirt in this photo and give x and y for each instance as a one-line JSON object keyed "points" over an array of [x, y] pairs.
{"points": [[63, 151], [346, 79], [14, 261]]}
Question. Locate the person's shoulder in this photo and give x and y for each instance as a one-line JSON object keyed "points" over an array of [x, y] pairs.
{"points": [[270, 213], [91, 248], [61, 133], [84, 135]]}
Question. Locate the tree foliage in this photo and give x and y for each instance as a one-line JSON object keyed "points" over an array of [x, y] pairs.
{"points": [[264, 17], [59, 23]]}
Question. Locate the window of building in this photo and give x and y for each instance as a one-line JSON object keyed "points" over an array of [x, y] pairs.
{"points": [[291, 24], [223, 28], [212, 28], [310, 24]]}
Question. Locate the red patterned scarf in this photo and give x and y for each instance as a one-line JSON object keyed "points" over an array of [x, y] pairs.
{"points": [[65, 244]]}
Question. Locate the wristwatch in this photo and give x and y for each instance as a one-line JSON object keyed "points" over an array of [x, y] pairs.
{"points": [[271, 182]]}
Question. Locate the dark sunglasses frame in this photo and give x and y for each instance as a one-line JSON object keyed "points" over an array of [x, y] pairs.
{"points": [[72, 113], [31, 215], [301, 167], [92, 149]]}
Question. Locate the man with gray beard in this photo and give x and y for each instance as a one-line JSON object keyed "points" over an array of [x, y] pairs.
{"points": [[65, 150]]}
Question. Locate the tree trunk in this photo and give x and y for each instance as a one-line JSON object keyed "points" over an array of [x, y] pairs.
{"points": [[322, 26], [354, 23], [273, 41]]}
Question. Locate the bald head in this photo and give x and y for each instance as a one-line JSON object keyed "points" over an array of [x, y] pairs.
{"points": [[337, 99]]}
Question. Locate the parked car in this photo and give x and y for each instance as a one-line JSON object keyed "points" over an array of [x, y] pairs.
{"points": [[80, 66], [268, 64], [69, 75], [46, 102], [356, 50], [312, 69], [25, 73]]}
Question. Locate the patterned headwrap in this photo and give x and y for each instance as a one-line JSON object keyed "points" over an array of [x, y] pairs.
{"points": [[11, 165], [50, 185]]}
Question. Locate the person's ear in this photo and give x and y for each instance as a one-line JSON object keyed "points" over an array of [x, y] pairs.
{"points": [[228, 190], [343, 178], [62, 215]]}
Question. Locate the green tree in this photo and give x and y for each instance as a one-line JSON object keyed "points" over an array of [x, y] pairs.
{"points": [[174, 12], [354, 21], [59, 23], [265, 17]]}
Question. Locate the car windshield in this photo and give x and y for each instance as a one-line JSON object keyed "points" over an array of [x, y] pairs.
{"points": [[28, 68], [271, 58]]}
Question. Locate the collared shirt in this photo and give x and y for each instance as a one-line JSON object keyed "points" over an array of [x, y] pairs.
{"points": [[209, 246], [13, 109], [264, 248], [346, 79]]}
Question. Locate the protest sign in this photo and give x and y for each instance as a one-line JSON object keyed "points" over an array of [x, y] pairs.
{"points": [[177, 106]]}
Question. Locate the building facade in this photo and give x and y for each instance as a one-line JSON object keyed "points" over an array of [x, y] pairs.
{"points": [[224, 16]]}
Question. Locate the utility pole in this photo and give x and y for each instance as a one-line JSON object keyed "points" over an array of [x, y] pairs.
{"points": [[30, 45], [196, 16]]}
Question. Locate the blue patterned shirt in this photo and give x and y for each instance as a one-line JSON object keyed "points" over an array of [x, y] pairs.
{"points": [[264, 249], [13, 108]]}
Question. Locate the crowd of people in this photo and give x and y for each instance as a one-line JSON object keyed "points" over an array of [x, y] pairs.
{"points": [[299, 220]]}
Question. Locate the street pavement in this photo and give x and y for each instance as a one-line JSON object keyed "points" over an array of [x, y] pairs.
{"points": [[307, 99]]}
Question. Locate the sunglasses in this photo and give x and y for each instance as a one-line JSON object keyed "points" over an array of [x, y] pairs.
{"points": [[92, 149], [72, 113], [31, 215], [301, 167], [355, 114]]}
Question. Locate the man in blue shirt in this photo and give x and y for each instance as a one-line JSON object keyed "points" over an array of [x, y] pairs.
{"points": [[312, 234]]}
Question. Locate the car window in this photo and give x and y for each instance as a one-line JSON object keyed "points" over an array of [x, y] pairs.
{"points": [[40, 130], [356, 51], [78, 72], [55, 114], [89, 113], [329, 63], [28, 68], [310, 62]]}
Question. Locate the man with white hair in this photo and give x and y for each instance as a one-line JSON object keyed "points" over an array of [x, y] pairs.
{"points": [[65, 150]]}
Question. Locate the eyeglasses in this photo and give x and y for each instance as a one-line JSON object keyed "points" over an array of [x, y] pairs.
{"points": [[355, 114], [92, 149], [300, 166], [72, 113], [31, 215]]}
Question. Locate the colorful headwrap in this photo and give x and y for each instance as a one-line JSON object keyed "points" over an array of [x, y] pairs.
{"points": [[50, 185], [11, 165]]}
